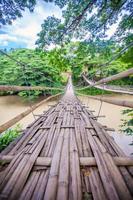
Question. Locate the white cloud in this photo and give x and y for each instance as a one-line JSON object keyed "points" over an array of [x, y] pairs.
{"points": [[6, 37], [3, 43], [25, 29], [112, 29]]}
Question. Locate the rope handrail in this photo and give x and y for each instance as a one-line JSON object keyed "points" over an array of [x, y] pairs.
{"points": [[21, 88]]}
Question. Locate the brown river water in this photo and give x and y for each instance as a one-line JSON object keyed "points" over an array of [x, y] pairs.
{"points": [[10, 106]]}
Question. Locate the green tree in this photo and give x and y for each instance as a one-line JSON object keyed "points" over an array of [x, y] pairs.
{"points": [[127, 125], [89, 19], [38, 69], [11, 9]]}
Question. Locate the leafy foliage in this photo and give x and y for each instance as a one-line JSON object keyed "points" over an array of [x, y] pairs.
{"points": [[88, 20], [127, 125], [40, 69], [80, 19], [45, 67], [89, 56], [48, 33], [7, 137], [11, 9]]}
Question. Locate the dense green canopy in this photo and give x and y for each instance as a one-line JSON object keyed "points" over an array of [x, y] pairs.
{"points": [[35, 69], [80, 19], [88, 20]]}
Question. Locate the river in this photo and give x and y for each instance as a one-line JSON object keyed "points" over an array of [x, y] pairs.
{"points": [[12, 105], [112, 119]]}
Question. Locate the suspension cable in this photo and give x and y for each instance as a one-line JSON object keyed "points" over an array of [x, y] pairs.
{"points": [[26, 81], [23, 65], [107, 63], [101, 102]]}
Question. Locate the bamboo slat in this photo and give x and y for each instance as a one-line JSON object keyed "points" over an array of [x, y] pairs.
{"points": [[65, 154], [63, 180], [51, 187]]}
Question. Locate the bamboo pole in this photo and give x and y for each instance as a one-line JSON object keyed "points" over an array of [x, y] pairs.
{"points": [[14, 120], [63, 180], [120, 185], [21, 88], [114, 77], [75, 186], [109, 88], [52, 183], [119, 161], [111, 101], [84, 161]]}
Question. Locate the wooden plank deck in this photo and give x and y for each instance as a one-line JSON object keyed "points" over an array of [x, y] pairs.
{"points": [[66, 155]]}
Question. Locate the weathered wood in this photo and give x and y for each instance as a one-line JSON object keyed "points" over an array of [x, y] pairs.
{"points": [[128, 104], [115, 77], [109, 129], [63, 180], [30, 186], [110, 88], [41, 186], [91, 175], [65, 154], [75, 185], [51, 187], [120, 184], [119, 161], [105, 175], [15, 185], [84, 161], [27, 88]]}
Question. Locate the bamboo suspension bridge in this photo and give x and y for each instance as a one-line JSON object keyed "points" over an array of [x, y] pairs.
{"points": [[65, 154]]}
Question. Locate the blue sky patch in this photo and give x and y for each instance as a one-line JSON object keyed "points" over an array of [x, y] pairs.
{"points": [[23, 31]]}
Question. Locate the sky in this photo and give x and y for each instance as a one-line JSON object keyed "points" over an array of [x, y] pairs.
{"points": [[23, 31]]}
